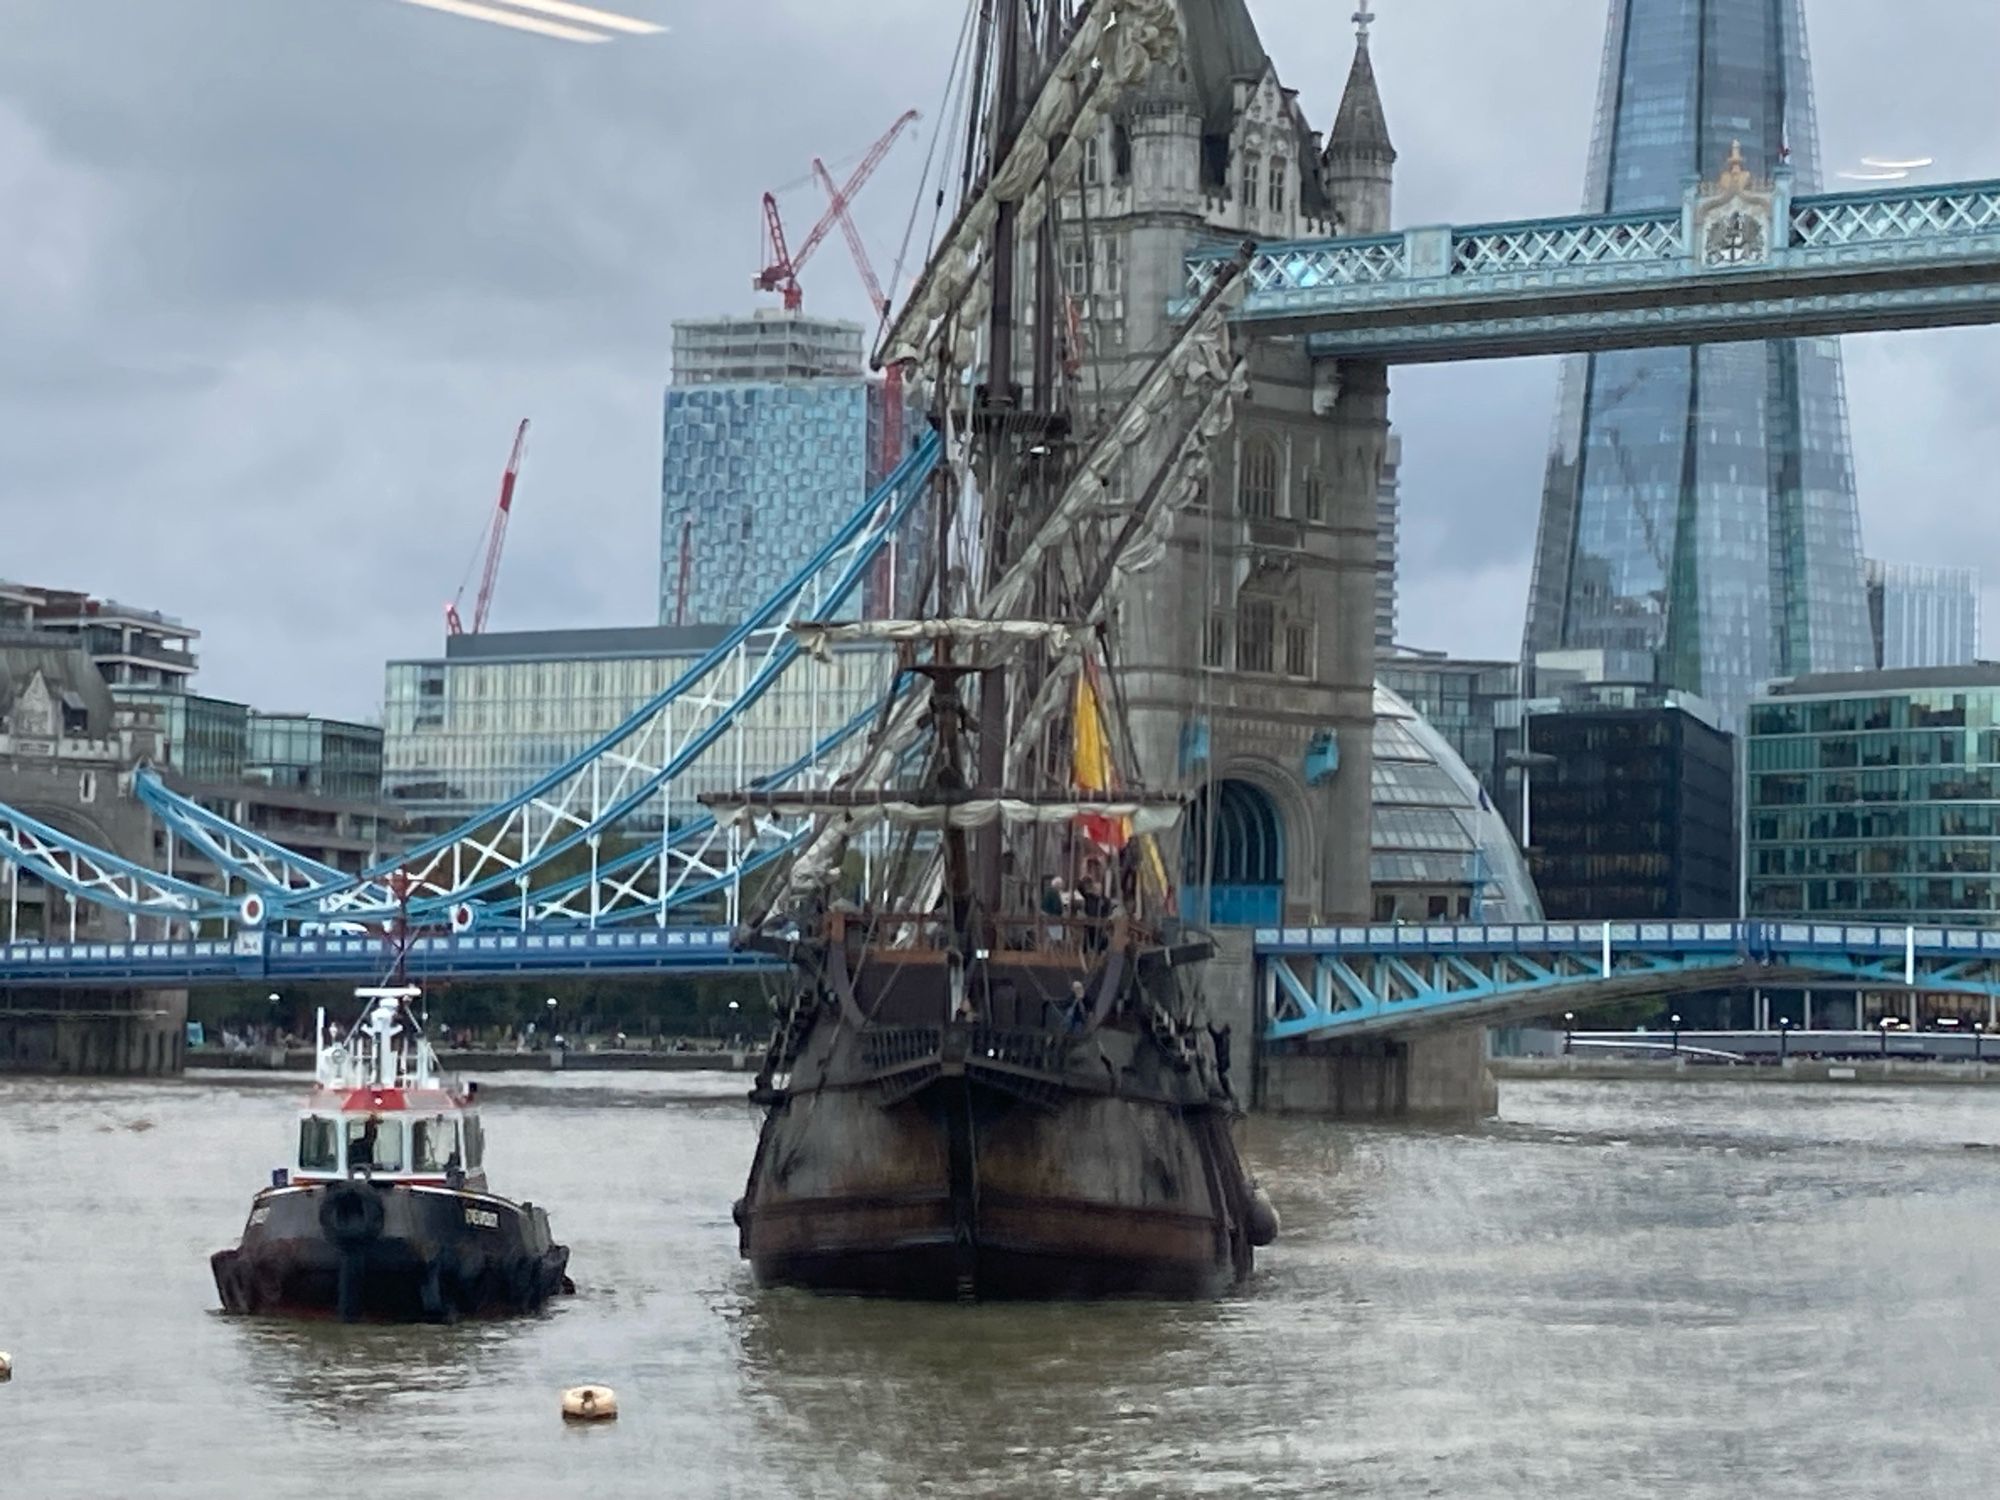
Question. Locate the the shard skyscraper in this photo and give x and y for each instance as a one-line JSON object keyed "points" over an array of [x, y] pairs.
{"points": [[1699, 516]]}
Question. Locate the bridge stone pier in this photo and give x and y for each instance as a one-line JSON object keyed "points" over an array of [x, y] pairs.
{"points": [[1439, 1075], [123, 1033]]}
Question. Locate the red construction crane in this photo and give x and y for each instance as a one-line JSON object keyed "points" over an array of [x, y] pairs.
{"points": [[681, 584], [782, 266], [496, 536], [891, 450]]}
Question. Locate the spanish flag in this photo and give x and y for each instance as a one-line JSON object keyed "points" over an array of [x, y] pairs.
{"points": [[1093, 771], [1091, 760]]}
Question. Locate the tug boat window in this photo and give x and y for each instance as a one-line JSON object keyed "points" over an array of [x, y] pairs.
{"points": [[433, 1145], [375, 1143], [475, 1144], [319, 1144]]}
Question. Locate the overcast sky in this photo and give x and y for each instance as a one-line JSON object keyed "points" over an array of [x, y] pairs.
{"points": [[278, 278]]}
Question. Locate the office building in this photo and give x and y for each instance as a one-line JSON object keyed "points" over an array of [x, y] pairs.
{"points": [[305, 753], [773, 438], [1875, 797], [311, 784], [205, 739], [1923, 617], [131, 647], [1631, 813], [1699, 506], [497, 712]]}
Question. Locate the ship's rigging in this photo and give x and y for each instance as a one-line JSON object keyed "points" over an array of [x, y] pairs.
{"points": [[978, 1085]]}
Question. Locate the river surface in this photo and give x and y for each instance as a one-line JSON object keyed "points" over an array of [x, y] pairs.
{"points": [[1615, 1290]]}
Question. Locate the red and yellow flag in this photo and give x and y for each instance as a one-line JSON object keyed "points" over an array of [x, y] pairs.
{"points": [[1091, 762], [1093, 770]]}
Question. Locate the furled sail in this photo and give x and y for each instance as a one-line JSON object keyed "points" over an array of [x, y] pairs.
{"points": [[1112, 47]]}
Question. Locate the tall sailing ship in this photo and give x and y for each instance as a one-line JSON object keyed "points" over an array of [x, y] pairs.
{"points": [[994, 1072]]}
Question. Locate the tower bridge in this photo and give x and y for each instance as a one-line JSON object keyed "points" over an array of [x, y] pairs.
{"points": [[1738, 261], [1267, 699]]}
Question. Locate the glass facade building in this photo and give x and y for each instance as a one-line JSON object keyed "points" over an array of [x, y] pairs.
{"points": [[1923, 617], [1632, 817], [773, 437], [308, 754], [1875, 797], [499, 711], [1440, 852], [204, 739], [1699, 505]]}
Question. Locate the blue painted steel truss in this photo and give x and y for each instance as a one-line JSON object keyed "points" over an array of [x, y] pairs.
{"points": [[1326, 982], [1826, 264], [501, 870]]}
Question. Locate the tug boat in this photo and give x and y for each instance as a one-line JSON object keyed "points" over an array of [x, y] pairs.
{"points": [[384, 1214]]}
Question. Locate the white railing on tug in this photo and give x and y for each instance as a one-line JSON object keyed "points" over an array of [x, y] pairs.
{"points": [[385, 1049]]}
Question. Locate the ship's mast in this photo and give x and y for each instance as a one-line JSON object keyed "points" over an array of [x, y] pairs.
{"points": [[1000, 408]]}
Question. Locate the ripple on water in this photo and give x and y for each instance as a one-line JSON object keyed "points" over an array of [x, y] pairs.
{"points": [[1703, 1290]]}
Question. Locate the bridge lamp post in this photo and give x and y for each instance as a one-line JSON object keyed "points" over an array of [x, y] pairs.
{"points": [[1569, 1027], [1978, 1041], [1676, 1019], [1784, 1037], [1886, 1023]]}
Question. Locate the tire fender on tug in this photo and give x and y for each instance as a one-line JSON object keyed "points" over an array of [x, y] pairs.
{"points": [[351, 1214]]}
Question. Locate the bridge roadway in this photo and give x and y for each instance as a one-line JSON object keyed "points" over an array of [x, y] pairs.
{"points": [[1328, 983], [1316, 983], [256, 957], [1737, 260]]}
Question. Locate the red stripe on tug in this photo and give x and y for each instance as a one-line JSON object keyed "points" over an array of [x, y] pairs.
{"points": [[368, 1101]]}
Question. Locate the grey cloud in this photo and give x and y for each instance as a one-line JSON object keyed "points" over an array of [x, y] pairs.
{"points": [[278, 279]]}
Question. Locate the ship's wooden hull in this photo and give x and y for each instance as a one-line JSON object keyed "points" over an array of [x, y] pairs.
{"points": [[966, 1190]]}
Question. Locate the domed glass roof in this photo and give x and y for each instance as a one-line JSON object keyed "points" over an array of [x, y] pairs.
{"points": [[1434, 825]]}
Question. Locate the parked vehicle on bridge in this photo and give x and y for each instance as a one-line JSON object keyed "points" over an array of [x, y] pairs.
{"points": [[384, 1212]]}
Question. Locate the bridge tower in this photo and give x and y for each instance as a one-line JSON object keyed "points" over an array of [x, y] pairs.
{"points": [[1259, 700], [1248, 654]]}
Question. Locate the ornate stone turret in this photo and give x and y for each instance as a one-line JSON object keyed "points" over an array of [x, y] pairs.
{"points": [[1360, 162]]}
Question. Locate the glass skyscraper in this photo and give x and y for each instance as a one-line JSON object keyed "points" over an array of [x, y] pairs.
{"points": [[1923, 617], [1699, 508], [773, 439]]}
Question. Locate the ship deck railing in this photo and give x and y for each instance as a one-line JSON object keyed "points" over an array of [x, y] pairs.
{"points": [[911, 936]]}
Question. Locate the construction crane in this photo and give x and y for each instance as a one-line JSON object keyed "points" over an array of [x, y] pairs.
{"points": [[681, 583], [782, 264], [891, 450], [496, 537]]}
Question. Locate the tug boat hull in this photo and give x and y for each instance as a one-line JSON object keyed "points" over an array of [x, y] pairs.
{"points": [[405, 1252]]}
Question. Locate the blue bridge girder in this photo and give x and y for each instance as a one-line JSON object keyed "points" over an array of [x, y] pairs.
{"points": [[1322, 983], [1906, 257], [252, 957]]}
